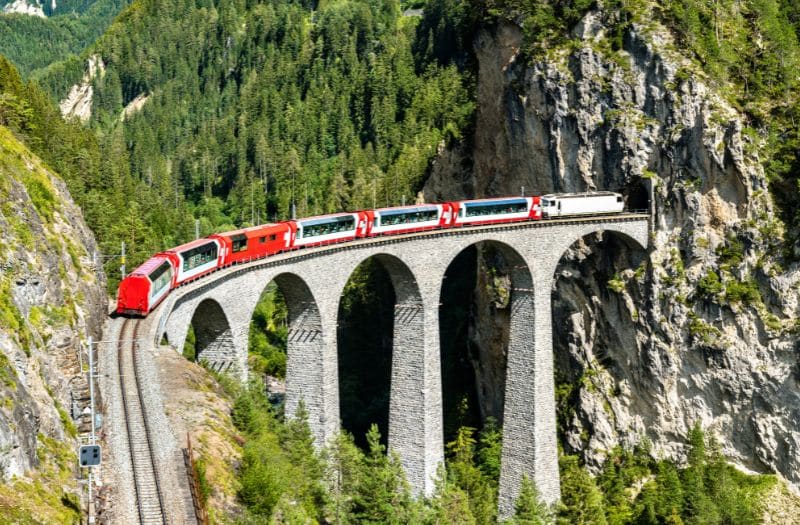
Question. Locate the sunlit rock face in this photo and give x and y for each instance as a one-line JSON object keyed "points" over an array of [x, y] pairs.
{"points": [[52, 297], [645, 344]]}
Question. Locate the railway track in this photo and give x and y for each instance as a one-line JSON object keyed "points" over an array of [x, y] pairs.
{"points": [[149, 496]]}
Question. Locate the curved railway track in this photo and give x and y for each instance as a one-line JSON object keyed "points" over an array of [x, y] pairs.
{"points": [[149, 496]]}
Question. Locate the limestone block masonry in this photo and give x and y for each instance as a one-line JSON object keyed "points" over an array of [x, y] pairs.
{"points": [[312, 280]]}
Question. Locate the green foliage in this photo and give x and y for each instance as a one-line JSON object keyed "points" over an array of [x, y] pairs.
{"points": [[529, 509], [581, 500], [545, 23], [261, 105], [731, 252], [746, 292], [616, 284], [709, 285], [284, 479], [464, 473], [189, 348], [637, 489], [33, 43], [268, 333], [489, 449], [702, 331], [381, 494], [116, 206], [205, 487]]}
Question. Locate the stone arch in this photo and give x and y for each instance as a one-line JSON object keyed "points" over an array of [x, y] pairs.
{"points": [[214, 342], [304, 350], [595, 311], [406, 434], [506, 283], [520, 407]]}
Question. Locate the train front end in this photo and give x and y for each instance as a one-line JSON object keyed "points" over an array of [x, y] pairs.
{"points": [[145, 287]]}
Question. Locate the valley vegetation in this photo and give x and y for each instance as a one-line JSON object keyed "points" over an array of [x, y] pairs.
{"points": [[33, 43], [283, 479]]}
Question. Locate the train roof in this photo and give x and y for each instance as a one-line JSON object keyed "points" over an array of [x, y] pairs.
{"points": [[408, 209], [319, 219], [151, 264], [252, 231], [581, 195], [190, 245]]}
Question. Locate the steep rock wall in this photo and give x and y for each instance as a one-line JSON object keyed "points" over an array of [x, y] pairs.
{"points": [[51, 298], [648, 351]]}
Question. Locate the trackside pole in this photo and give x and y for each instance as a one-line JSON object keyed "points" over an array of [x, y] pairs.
{"points": [[91, 409]]}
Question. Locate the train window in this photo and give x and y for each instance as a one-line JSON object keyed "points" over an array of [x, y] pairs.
{"points": [[409, 217], [199, 256], [160, 278], [619, 198], [273, 237], [262, 240], [239, 243], [496, 208], [329, 227]]}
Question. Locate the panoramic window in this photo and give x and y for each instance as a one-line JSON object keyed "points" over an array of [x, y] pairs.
{"points": [[160, 278], [496, 208], [327, 228], [408, 217], [199, 256]]}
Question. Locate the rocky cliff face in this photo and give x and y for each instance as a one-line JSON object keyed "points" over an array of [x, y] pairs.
{"points": [[701, 328], [51, 299]]}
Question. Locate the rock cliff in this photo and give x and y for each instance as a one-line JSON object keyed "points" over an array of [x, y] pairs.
{"points": [[701, 328], [51, 299]]}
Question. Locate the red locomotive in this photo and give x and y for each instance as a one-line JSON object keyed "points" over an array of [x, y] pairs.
{"points": [[147, 285]]}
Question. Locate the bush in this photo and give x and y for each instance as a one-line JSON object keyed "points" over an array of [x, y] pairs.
{"points": [[710, 285], [746, 292]]}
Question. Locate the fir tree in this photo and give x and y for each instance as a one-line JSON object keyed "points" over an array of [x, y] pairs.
{"points": [[529, 509]]}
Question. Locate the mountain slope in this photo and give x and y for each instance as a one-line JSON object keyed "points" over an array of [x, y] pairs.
{"points": [[51, 298], [704, 328], [265, 104], [32, 43]]}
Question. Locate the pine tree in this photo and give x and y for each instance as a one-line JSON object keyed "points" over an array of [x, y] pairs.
{"points": [[581, 500], [382, 494], [699, 507], [529, 509]]}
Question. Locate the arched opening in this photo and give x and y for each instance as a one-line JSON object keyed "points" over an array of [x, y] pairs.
{"points": [[637, 195], [268, 341], [598, 300], [209, 338], [485, 311], [380, 315], [364, 345], [287, 339]]}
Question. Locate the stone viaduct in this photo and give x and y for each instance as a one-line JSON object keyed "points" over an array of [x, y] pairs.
{"points": [[220, 307]]}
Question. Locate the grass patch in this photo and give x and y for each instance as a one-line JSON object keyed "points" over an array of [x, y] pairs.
{"points": [[49, 494]]}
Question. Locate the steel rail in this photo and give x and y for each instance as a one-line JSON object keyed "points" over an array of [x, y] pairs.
{"points": [[146, 478]]}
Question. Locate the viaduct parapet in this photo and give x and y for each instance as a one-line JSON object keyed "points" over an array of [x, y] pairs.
{"points": [[221, 306]]}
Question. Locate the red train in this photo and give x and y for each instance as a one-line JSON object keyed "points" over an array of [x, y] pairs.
{"points": [[147, 285]]}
